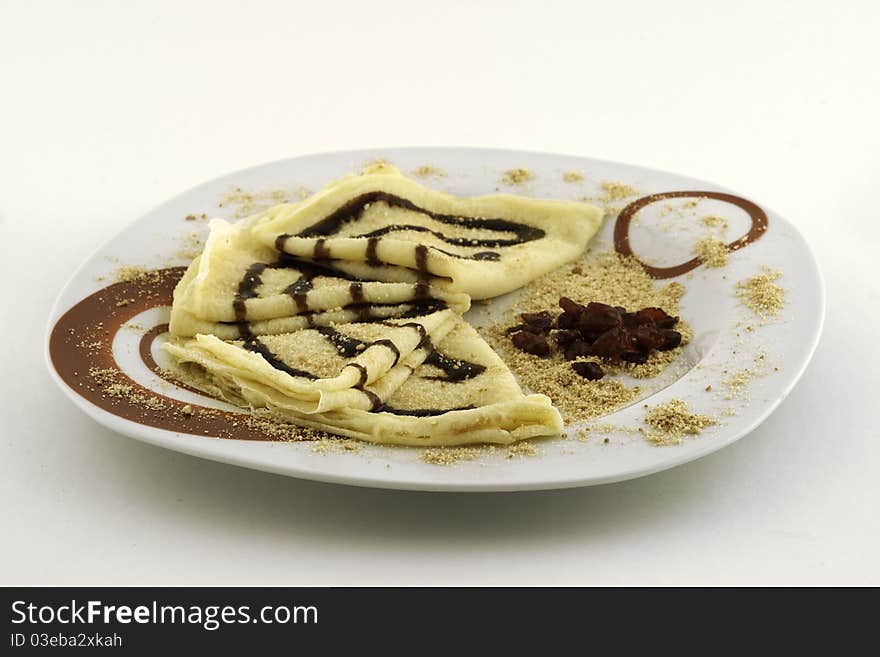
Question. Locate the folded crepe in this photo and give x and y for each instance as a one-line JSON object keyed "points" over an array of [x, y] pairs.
{"points": [[451, 390], [342, 312], [315, 370], [382, 221], [240, 287]]}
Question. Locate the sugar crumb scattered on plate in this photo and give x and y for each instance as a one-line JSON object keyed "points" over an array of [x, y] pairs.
{"points": [[761, 293], [670, 421], [712, 251], [517, 176]]}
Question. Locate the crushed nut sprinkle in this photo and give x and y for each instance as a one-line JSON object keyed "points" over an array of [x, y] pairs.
{"points": [[713, 252], [672, 420], [714, 221], [517, 176], [761, 293], [449, 455], [616, 191]]}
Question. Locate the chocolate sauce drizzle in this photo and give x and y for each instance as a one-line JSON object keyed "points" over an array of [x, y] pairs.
{"points": [[321, 252], [423, 332], [353, 209], [370, 255], [299, 290], [456, 370], [346, 345], [258, 347], [247, 289], [356, 291], [389, 345], [419, 412], [455, 241], [367, 312], [363, 371], [621, 229]]}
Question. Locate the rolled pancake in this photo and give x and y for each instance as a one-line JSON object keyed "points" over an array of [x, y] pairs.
{"points": [[458, 393], [486, 246], [238, 282], [356, 365]]}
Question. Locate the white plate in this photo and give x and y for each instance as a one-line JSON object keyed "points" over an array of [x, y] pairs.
{"points": [[658, 236]]}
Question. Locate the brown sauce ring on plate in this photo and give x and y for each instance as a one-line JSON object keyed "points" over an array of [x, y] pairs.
{"points": [[621, 229]]}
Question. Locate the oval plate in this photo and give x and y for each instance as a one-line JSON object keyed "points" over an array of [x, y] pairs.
{"points": [[728, 337]]}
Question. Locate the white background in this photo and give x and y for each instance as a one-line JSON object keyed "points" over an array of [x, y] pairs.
{"points": [[107, 109]]}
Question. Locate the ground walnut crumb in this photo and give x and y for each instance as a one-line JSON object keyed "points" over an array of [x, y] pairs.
{"points": [[615, 191], [714, 221], [111, 386], [672, 420], [761, 293], [331, 444], [713, 252], [279, 429], [128, 273], [103, 376], [517, 176], [449, 455], [523, 448], [736, 382]]}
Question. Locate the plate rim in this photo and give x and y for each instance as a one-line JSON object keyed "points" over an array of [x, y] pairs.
{"points": [[199, 446]]}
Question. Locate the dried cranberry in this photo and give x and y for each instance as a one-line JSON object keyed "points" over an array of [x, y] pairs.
{"points": [[648, 337], [564, 337], [596, 329], [611, 344], [598, 318], [671, 339], [656, 316], [542, 320], [629, 321], [636, 357], [531, 343], [566, 321], [577, 349], [589, 370], [570, 307], [528, 328]]}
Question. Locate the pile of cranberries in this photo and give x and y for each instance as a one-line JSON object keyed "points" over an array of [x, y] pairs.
{"points": [[597, 329]]}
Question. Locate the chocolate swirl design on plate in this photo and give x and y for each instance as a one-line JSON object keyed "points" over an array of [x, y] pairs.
{"points": [[96, 320], [621, 229]]}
